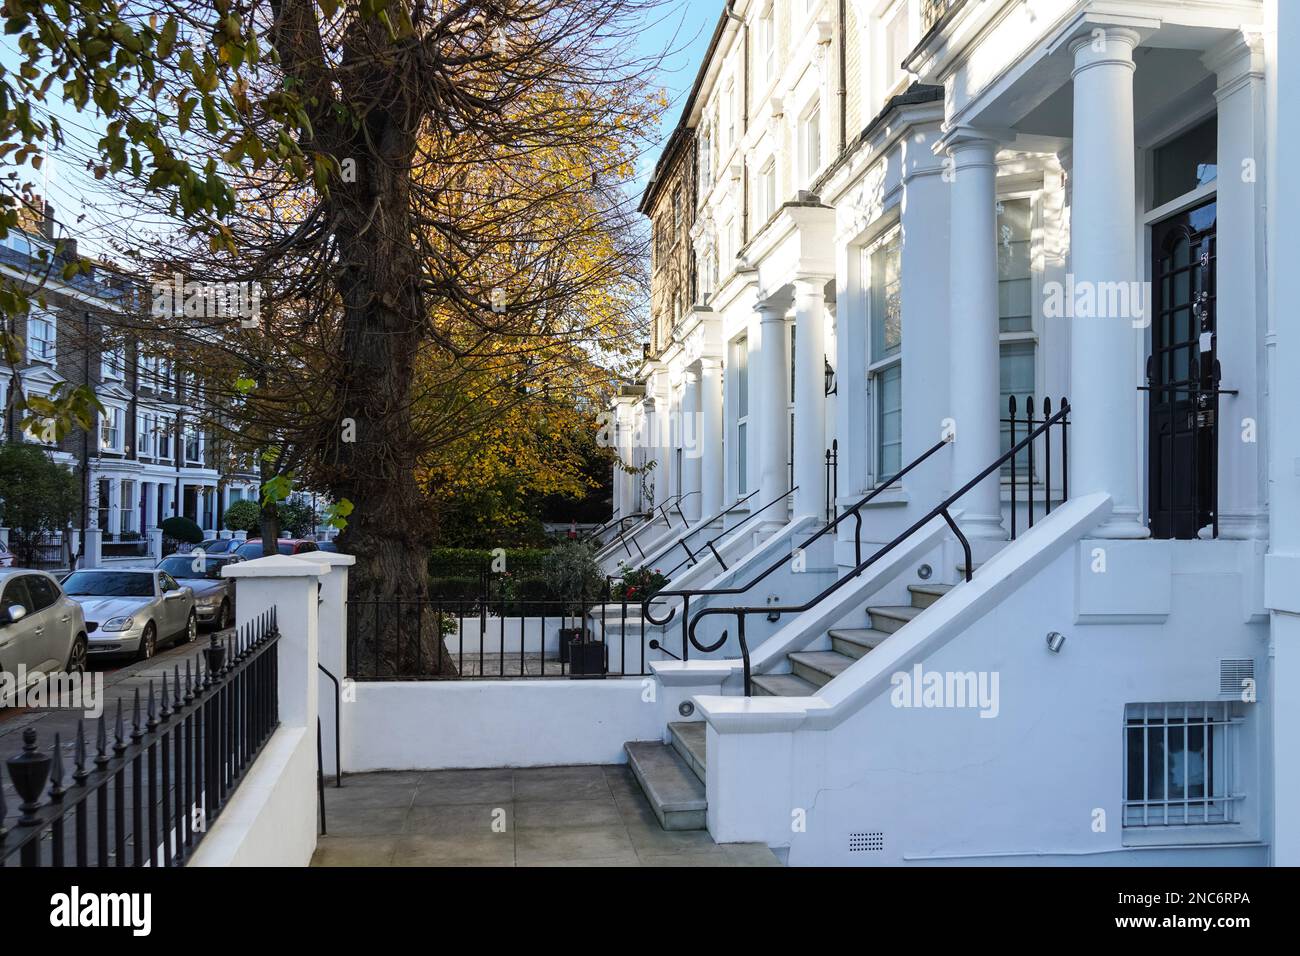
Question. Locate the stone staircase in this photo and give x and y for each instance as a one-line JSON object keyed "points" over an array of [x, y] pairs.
{"points": [[672, 774], [810, 670]]}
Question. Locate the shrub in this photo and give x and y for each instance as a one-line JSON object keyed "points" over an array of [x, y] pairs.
{"points": [[573, 575], [182, 529], [243, 515], [638, 584]]}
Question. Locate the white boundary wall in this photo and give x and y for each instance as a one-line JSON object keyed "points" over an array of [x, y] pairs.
{"points": [[431, 725]]}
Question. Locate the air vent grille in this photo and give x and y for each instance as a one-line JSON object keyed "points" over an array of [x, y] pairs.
{"points": [[1233, 675], [867, 842]]}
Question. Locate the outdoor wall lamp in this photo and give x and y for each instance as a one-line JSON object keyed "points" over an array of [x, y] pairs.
{"points": [[831, 385], [1055, 641]]}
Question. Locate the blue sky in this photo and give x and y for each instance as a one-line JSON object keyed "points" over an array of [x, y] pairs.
{"points": [[683, 28]]}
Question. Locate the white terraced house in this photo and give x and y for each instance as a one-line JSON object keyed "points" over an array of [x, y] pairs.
{"points": [[977, 465]]}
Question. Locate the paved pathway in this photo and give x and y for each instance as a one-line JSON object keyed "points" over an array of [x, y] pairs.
{"points": [[543, 816]]}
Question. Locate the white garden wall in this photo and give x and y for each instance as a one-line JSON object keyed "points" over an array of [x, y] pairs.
{"points": [[431, 725]]}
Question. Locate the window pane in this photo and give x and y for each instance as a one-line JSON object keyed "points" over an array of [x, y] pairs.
{"points": [[1187, 162], [742, 456], [1016, 377], [886, 301], [1015, 288], [742, 378], [889, 421]]}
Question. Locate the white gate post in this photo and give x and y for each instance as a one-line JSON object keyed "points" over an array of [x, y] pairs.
{"points": [[333, 626]]}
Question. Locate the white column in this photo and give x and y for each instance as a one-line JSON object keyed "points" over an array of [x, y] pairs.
{"points": [[114, 506], [150, 492], [692, 449], [769, 389], [1240, 290], [973, 342], [1282, 565], [1105, 356], [712, 466], [810, 395]]}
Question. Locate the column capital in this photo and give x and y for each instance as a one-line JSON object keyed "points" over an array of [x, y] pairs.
{"points": [[970, 142], [1238, 58], [770, 310], [1104, 46], [810, 283]]}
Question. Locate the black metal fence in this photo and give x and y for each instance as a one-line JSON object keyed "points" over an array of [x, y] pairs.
{"points": [[447, 639], [157, 780]]}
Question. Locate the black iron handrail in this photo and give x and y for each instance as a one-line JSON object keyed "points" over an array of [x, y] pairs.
{"points": [[619, 520], [854, 510], [940, 510], [692, 557], [624, 539]]}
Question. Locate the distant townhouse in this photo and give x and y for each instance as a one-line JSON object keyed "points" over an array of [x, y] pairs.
{"points": [[150, 457]]}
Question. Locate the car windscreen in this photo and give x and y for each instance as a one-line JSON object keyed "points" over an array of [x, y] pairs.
{"points": [[179, 567], [109, 584], [249, 551]]}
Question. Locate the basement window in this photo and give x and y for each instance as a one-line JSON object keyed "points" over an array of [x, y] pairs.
{"points": [[1179, 763]]}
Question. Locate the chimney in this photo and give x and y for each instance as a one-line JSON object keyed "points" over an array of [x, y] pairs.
{"points": [[47, 220]]}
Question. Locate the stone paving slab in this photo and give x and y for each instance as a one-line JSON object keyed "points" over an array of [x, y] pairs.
{"points": [[538, 816]]}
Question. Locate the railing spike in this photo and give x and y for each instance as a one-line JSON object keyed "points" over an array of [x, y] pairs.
{"points": [[151, 709], [80, 773], [136, 732], [165, 710], [119, 731], [189, 682], [56, 769], [101, 742], [1011, 406], [29, 771]]}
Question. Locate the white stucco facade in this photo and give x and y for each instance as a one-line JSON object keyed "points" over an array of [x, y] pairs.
{"points": [[1052, 199]]}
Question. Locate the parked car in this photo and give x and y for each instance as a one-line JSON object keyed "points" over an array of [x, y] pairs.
{"points": [[6, 556], [218, 545], [253, 549], [329, 546], [41, 628], [214, 596], [133, 612]]}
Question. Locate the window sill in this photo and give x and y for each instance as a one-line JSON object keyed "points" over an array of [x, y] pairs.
{"points": [[890, 498], [1183, 834]]}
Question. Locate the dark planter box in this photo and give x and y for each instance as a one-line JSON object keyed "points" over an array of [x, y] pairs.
{"points": [[587, 659], [567, 636]]}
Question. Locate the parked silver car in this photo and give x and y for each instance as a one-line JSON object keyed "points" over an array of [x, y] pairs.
{"points": [[214, 596], [41, 628], [133, 612]]}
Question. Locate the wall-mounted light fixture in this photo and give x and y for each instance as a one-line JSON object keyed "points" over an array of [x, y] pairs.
{"points": [[831, 385], [1055, 641]]}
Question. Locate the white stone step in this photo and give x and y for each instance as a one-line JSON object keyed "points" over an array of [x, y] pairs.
{"points": [[819, 667], [782, 685], [856, 641], [924, 595], [688, 739], [675, 793], [890, 619]]}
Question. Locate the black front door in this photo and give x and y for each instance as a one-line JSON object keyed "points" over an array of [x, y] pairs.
{"points": [[1182, 376]]}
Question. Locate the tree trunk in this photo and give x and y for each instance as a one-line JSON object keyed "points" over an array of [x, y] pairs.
{"points": [[393, 631]]}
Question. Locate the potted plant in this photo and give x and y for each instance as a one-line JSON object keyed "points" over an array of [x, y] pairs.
{"points": [[574, 577]]}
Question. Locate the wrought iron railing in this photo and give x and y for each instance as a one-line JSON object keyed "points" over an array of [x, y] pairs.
{"points": [[629, 539], [832, 478], [184, 753], [493, 638], [854, 511], [941, 510], [693, 556]]}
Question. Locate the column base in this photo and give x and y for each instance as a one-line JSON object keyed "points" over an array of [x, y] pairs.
{"points": [[1125, 524], [982, 527], [1245, 526]]}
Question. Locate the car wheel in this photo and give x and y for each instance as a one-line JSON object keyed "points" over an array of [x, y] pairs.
{"points": [[77, 657], [148, 642], [191, 632], [223, 616]]}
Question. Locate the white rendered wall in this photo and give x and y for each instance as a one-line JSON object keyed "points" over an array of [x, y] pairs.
{"points": [[430, 725]]}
